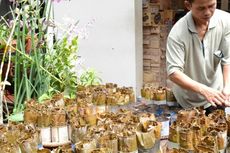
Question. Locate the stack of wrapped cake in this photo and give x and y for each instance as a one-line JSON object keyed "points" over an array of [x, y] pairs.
{"points": [[160, 94], [196, 132], [18, 138], [106, 97], [120, 132], [64, 121], [50, 118]]}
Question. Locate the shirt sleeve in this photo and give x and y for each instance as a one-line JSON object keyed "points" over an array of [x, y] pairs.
{"points": [[175, 55], [225, 43]]}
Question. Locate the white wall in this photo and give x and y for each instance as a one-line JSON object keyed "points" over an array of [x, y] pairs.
{"points": [[114, 44]]}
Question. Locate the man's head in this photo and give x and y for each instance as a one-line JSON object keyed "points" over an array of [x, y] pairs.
{"points": [[202, 10]]}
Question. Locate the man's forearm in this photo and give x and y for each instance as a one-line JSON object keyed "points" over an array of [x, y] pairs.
{"points": [[185, 82], [226, 76], [212, 95]]}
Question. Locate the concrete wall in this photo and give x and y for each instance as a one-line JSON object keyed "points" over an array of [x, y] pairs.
{"points": [[114, 44]]}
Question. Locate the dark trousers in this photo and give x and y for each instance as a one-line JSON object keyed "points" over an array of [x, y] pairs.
{"points": [[212, 109]]}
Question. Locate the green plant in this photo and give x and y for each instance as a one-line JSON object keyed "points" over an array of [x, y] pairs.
{"points": [[4, 34], [3, 83], [59, 62], [28, 31], [42, 70], [89, 77], [29, 80]]}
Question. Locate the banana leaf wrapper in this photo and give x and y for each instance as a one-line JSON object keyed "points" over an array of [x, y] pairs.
{"points": [[147, 93], [101, 109], [174, 132], [157, 129], [111, 100], [63, 149], [169, 95], [132, 98], [207, 145], [71, 110], [58, 118], [78, 121], [222, 129], [30, 116], [58, 100], [10, 148], [221, 138], [44, 119], [91, 119], [126, 99], [111, 85], [145, 138], [101, 150], [228, 122], [197, 134], [29, 146], [228, 148], [174, 150], [127, 143], [186, 139], [69, 102], [203, 123], [123, 99], [217, 114], [44, 150], [30, 104], [109, 141], [145, 117], [86, 109], [12, 136], [187, 115], [2, 131], [85, 146], [160, 95], [78, 133], [99, 98]]}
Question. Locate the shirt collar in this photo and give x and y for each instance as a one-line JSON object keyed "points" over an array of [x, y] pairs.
{"points": [[191, 24]]}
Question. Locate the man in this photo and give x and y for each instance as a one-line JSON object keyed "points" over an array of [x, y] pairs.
{"points": [[198, 56]]}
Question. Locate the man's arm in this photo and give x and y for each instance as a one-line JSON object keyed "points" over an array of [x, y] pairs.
{"points": [[213, 96], [225, 61], [226, 79]]}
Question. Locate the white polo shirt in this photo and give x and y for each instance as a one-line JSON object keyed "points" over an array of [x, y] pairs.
{"points": [[201, 61]]}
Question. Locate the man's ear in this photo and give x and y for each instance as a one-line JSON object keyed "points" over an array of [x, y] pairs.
{"points": [[187, 4]]}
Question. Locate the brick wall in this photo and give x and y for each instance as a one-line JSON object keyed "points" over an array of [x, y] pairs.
{"points": [[157, 22]]}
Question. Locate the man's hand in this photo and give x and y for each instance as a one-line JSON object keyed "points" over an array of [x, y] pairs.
{"points": [[226, 79], [213, 96], [226, 93]]}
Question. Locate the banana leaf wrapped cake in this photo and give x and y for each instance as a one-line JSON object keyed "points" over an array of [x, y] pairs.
{"points": [[87, 145], [146, 135], [207, 145], [127, 142]]}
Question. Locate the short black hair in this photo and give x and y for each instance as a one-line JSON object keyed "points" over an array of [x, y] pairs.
{"points": [[190, 1]]}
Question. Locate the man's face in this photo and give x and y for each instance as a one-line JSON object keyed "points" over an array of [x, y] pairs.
{"points": [[202, 10]]}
